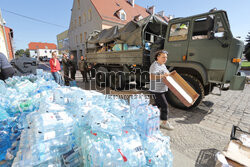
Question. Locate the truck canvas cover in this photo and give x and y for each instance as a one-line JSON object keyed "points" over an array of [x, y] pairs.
{"points": [[132, 32]]}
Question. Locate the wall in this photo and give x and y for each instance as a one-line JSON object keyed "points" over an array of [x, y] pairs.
{"points": [[89, 26], [9, 35], [63, 42], [3, 48]]}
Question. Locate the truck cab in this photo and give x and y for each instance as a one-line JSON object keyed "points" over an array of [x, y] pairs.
{"points": [[203, 50]]}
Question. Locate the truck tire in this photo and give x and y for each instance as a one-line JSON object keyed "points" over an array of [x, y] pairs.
{"points": [[117, 81], [195, 84], [102, 77]]}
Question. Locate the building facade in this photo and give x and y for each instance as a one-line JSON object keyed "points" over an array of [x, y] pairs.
{"points": [[6, 39], [63, 42], [39, 49], [89, 16]]}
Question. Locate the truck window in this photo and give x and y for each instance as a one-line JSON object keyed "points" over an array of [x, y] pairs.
{"points": [[219, 28], [179, 31], [202, 26]]}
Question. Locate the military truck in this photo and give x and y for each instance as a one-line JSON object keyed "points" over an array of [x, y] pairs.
{"points": [[201, 49]]}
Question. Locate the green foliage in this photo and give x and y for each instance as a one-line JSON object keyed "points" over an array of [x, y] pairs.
{"points": [[22, 52], [247, 47], [19, 53], [245, 64], [27, 52]]}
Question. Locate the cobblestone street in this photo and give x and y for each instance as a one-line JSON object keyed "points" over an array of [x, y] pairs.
{"points": [[206, 129]]}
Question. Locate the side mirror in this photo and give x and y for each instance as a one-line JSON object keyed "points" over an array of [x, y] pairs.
{"points": [[210, 35]]}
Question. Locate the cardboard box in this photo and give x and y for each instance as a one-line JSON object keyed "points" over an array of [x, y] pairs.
{"points": [[182, 90], [237, 153]]}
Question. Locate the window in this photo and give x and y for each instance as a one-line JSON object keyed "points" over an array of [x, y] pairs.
{"points": [[85, 36], [122, 15], [90, 14], [80, 21], [76, 39], [219, 28], [202, 26], [179, 31], [84, 18], [81, 37], [78, 4], [75, 23]]}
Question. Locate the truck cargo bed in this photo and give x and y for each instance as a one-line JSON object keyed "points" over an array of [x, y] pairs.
{"points": [[117, 57]]}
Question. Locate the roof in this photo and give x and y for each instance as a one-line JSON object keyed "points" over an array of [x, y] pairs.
{"points": [[108, 8], [40, 45]]}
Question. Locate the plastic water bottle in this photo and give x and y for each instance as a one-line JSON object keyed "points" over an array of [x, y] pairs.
{"points": [[157, 150], [2, 87], [105, 121], [130, 147]]}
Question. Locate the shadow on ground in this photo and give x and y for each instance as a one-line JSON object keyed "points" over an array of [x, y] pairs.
{"points": [[193, 116], [206, 158]]}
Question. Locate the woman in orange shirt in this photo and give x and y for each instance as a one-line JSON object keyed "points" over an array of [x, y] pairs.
{"points": [[55, 68]]}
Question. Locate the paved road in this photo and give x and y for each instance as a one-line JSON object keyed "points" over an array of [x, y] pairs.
{"points": [[205, 130]]}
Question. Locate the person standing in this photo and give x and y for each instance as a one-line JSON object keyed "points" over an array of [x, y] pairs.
{"points": [[73, 67], [55, 68], [158, 71], [6, 70], [65, 63], [82, 67]]}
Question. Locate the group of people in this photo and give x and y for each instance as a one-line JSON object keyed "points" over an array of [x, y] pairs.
{"points": [[69, 68]]}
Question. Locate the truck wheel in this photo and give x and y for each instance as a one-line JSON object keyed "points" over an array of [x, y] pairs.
{"points": [[195, 84], [101, 77], [117, 81]]}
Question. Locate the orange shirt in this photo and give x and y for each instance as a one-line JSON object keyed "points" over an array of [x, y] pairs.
{"points": [[54, 68]]}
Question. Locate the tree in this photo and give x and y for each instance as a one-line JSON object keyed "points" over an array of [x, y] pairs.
{"points": [[27, 52], [20, 52], [247, 47]]}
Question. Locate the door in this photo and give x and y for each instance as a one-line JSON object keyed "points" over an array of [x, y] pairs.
{"points": [[208, 46], [177, 41]]}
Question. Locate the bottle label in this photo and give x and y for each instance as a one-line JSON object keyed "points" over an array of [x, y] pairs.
{"points": [[138, 148]]}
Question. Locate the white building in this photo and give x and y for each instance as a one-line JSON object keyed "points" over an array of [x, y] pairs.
{"points": [[38, 49]]}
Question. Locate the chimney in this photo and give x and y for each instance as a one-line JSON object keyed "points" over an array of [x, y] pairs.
{"points": [[161, 13], [151, 10], [132, 2]]}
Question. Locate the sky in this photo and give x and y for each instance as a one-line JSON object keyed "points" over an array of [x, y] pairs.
{"points": [[59, 12]]}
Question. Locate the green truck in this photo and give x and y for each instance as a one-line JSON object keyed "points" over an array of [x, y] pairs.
{"points": [[201, 49]]}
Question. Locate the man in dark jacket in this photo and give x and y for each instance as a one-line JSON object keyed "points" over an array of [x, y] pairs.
{"points": [[6, 70], [65, 62], [73, 67], [83, 67]]}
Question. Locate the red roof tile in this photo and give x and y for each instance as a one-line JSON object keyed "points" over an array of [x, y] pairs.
{"points": [[39, 45], [108, 8]]}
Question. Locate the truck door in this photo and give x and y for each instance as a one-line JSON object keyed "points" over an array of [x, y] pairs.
{"points": [[177, 40], [211, 53]]}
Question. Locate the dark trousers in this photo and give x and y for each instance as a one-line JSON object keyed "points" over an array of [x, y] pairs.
{"points": [[73, 74], [161, 102], [6, 73], [66, 76], [84, 76]]}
